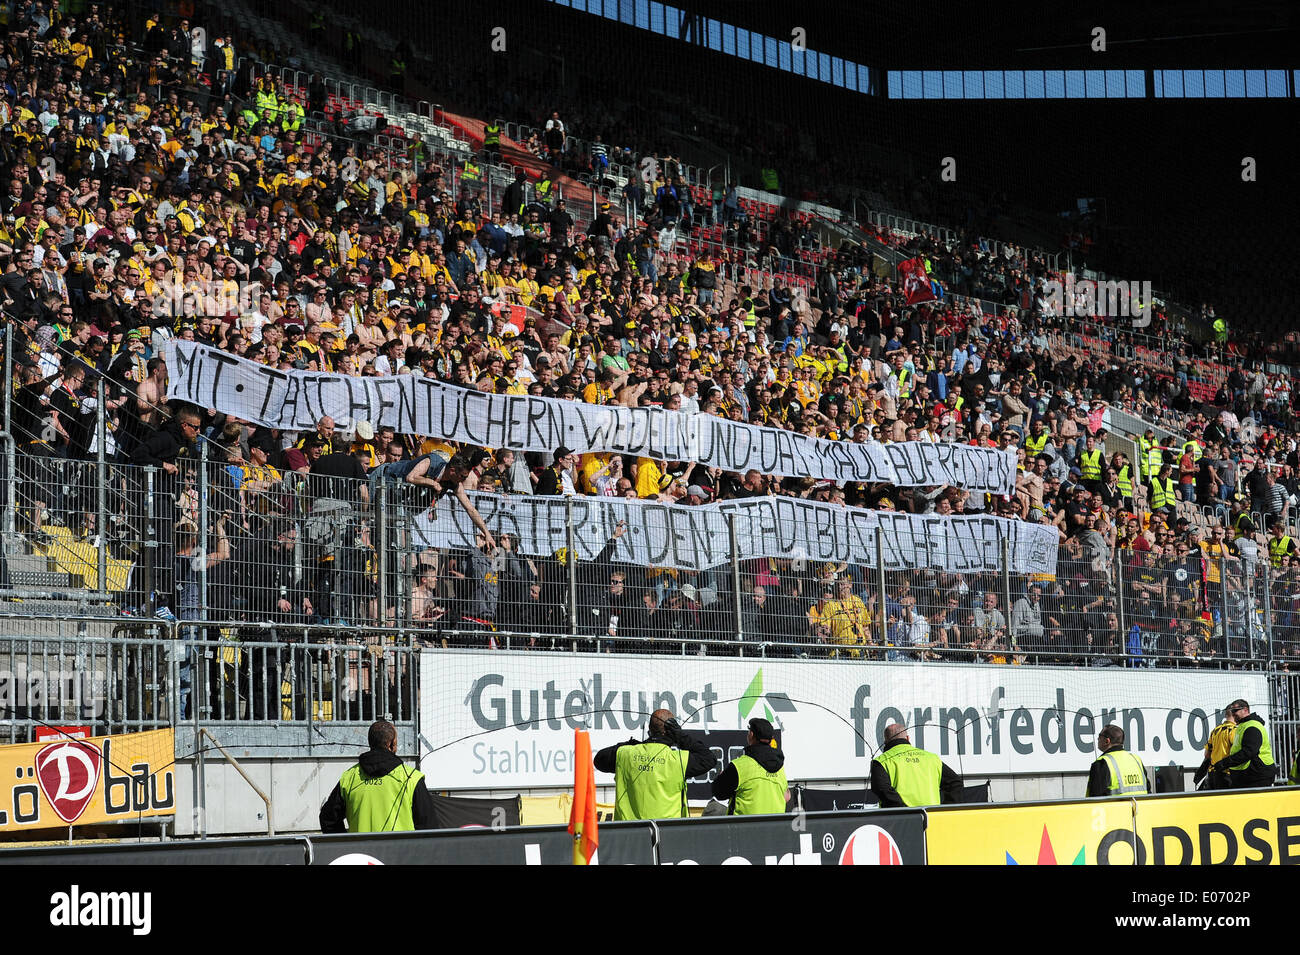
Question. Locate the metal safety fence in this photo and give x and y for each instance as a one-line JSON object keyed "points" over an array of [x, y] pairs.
{"points": [[269, 690], [224, 548], [152, 674], [116, 684], [1284, 709]]}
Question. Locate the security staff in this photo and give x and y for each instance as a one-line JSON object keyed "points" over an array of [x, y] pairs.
{"points": [[1163, 494], [1280, 545], [1036, 442], [903, 775], [1250, 760], [293, 117], [1150, 455], [1123, 477], [379, 793], [1116, 772], [755, 781], [1090, 464], [492, 139], [1218, 747], [650, 776]]}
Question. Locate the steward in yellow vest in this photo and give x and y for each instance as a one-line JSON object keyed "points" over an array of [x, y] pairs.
{"points": [[903, 775], [1124, 481], [1090, 463], [265, 99], [1116, 772], [1280, 545], [1163, 493], [1250, 760], [1035, 443], [293, 116], [1155, 457], [755, 781], [650, 776], [380, 793]]}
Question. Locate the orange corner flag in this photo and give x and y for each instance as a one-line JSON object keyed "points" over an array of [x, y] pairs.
{"points": [[582, 818]]}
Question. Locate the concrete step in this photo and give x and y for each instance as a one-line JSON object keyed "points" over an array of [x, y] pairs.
{"points": [[27, 563], [55, 618]]}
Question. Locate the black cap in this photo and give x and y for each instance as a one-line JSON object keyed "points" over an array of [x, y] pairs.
{"points": [[762, 730], [264, 441], [561, 452]]}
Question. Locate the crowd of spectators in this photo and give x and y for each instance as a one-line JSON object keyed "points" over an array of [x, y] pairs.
{"points": [[135, 210]]}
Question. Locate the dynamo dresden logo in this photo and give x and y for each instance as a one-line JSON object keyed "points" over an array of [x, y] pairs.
{"points": [[68, 774]]}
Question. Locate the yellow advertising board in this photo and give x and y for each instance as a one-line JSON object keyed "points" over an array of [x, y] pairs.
{"points": [[86, 781], [554, 810], [1242, 829]]}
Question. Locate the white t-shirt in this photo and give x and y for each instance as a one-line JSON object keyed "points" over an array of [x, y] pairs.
{"points": [[252, 324]]}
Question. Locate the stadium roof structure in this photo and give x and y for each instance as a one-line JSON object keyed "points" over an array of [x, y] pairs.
{"points": [[995, 33]]}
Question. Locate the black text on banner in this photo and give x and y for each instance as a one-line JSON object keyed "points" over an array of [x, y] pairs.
{"points": [[696, 538], [295, 400]]}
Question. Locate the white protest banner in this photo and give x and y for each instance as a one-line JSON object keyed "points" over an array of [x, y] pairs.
{"points": [[696, 538], [504, 720], [411, 404]]}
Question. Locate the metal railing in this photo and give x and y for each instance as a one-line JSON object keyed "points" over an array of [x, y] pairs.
{"points": [[112, 684], [1284, 717], [234, 558], [949, 236], [152, 674], [911, 227], [1124, 340]]}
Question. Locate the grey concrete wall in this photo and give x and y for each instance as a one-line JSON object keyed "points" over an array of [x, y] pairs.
{"points": [[230, 806]]}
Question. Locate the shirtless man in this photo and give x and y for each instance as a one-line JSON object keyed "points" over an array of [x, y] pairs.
{"points": [[151, 396]]}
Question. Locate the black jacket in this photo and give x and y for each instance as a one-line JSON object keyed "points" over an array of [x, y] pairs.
{"points": [[273, 576], [724, 787], [1250, 730], [513, 199], [950, 784], [377, 762], [1099, 776], [549, 482], [164, 446]]}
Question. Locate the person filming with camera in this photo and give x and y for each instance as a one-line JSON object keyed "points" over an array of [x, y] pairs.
{"points": [[650, 775]]}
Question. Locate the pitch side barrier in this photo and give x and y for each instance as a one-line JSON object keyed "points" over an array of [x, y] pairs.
{"points": [[817, 838], [1246, 827], [1252, 827]]}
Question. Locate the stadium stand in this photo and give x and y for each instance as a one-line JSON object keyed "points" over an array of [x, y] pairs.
{"points": [[254, 195]]}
